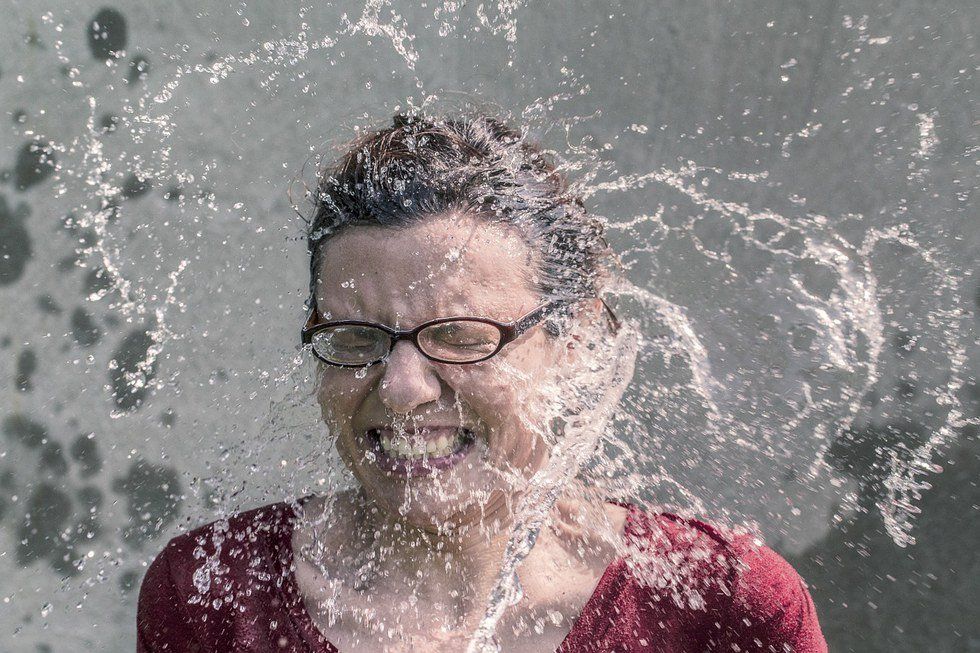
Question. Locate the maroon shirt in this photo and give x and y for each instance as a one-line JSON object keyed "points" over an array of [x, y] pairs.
{"points": [[229, 587]]}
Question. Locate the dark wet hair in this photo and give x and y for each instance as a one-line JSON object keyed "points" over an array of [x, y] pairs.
{"points": [[420, 166]]}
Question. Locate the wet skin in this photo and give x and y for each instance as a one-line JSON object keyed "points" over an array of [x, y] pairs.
{"points": [[439, 538]]}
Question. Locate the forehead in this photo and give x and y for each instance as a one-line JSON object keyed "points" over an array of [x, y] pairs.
{"points": [[442, 263]]}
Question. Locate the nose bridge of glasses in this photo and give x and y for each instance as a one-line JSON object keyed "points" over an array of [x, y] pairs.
{"points": [[413, 338], [406, 362]]}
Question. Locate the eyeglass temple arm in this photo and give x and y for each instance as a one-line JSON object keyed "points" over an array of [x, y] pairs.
{"points": [[311, 321], [532, 318], [535, 316], [614, 321]]}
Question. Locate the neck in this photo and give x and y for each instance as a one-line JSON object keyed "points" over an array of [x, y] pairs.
{"points": [[469, 551], [451, 573]]}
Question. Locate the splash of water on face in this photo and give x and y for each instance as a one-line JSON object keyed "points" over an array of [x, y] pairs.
{"points": [[584, 402]]}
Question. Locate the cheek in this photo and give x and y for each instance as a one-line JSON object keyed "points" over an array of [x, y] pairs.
{"points": [[339, 394], [491, 392], [506, 394]]}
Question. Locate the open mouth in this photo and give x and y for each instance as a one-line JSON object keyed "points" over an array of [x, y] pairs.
{"points": [[422, 452]]}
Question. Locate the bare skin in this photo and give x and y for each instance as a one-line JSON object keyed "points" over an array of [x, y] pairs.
{"points": [[408, 562], [439, 609]]}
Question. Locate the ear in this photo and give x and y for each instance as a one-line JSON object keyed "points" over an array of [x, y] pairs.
{"points": [[591, 314], [586, 323]]}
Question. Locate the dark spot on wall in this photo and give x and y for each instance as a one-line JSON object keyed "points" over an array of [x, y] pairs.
{"points": [[903, 343], [154, 496], [87, 238], [128, 581], [168, 418], [26, 366], [20, 117], [971, 401], [8, 483], [111, 210], [90, 497], [48, 511], [27, 432], [85, 451], [52, 528], [46, 304], [173, 194], [5, 342], [53, 459], [129, 380], [135, 186], [68, 263], [112, 320], [97, 283], [33, 39], [139, 68], [818, 278], [44, 648], [90, 500], [109, 123], [906, 389], [83, 328], [70, 223], [107, 34], [802, 337], [15, 242], [35, 163]]}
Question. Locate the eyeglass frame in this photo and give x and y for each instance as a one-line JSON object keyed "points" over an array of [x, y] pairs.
{"points": [[509, 331]]}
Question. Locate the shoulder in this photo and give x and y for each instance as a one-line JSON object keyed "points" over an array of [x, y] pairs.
{"points": [[199, 579], [750, 591], [707, 550], [225, 540]]}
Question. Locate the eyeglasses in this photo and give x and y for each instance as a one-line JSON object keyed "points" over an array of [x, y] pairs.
{"points": [[455, 340]]}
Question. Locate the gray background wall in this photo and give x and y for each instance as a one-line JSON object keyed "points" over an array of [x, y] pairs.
{"points": [[152, 270]]}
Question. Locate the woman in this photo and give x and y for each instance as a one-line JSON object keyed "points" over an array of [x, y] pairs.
{"points": [[465, 365]]}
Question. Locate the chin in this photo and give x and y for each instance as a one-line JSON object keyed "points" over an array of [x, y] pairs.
{"points": [[460, 492], [429, 504]]}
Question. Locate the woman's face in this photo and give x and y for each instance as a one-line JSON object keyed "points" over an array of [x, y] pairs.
{"points": [[481, 424]]}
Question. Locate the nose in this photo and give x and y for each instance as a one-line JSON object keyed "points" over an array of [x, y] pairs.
{"points": [[409, 380]]}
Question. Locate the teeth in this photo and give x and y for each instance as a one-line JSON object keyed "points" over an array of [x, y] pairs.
{"points": [[405, 448]]}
